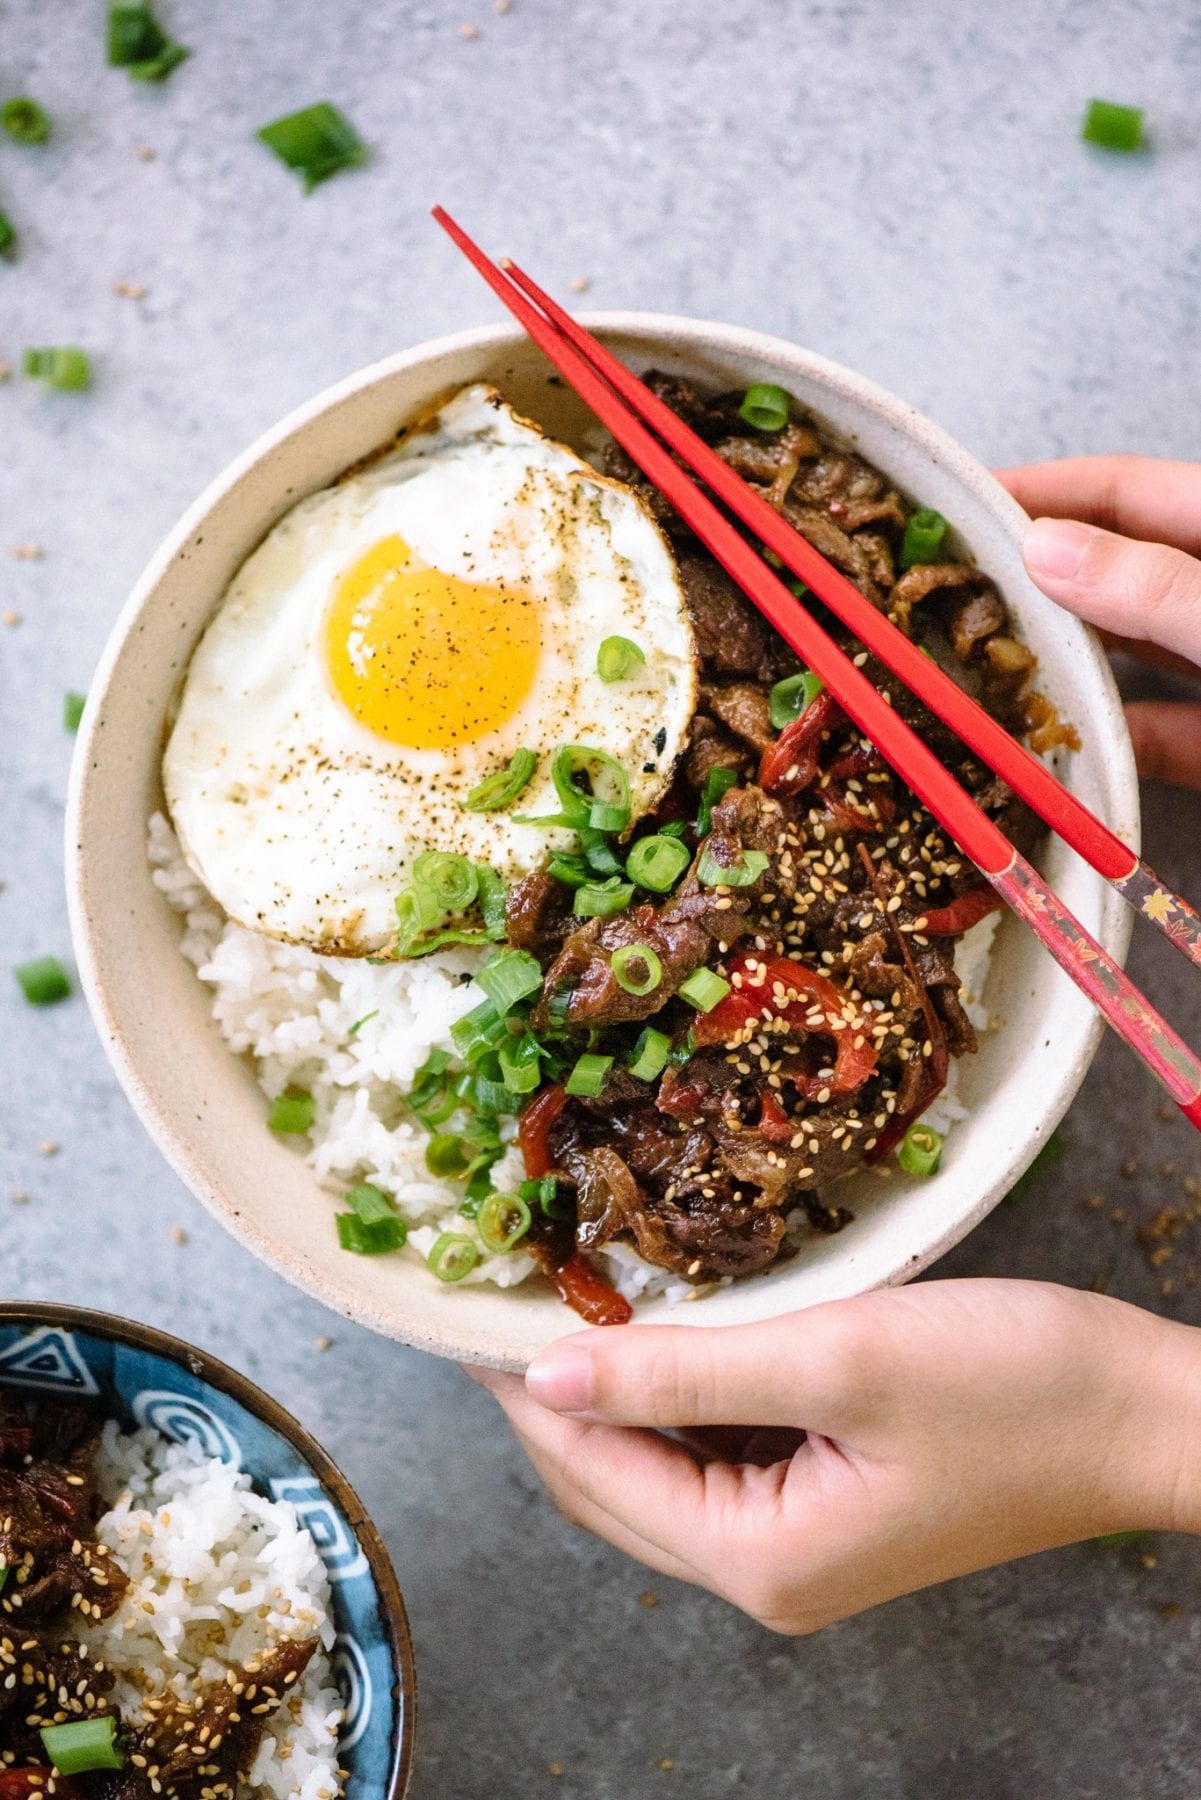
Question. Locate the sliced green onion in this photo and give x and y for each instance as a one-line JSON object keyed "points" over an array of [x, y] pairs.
{"points": [[703, 989], [799, 591], [492, 896], [717, 783], [520, 1063], [657, 862], [602, 816], [544, 1192], [1113, 127], [674, 828], [571, 870], [452, 880], [73, 705], [712, 873], [417, 913], [432, 1070], [354, 1030], [597, 899], [636, 969], [370, 1203], [765, 406], [65, 367], [137, 43], [599, 853], [317, 141], [479, 1186], [43, 981], [650, 1054], [374, 1239], [446, 1154], [609, 794], [502, 1221], [8, 234], [4, 1566], [924, 533], [430, 1089], [372, 1225], [509, 976], [684, 1050], [920, 1150], [479, 1030], [489, 1091], [479, 1182], [617, 658], [134, 35], [789, 698], [484, 1138], [441, 940], [452, 1256], [501, 789], [438, 1109], [589, 1075], [83, 1744], [292, 1112], [25, 121]]}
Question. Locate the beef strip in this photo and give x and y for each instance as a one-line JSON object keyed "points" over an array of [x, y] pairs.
{"points": [[205, 1753], [710, 747], [924, 579], [538, 915], [580, 986], [744, 708], [827, 536], [690, 1221], [731, 637]]}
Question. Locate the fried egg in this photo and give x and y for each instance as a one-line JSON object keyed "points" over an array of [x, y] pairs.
{"points": [[390, 645]]}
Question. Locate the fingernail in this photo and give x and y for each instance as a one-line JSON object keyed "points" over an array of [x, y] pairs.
{"points": [[560, 1377], [1056, 547]]}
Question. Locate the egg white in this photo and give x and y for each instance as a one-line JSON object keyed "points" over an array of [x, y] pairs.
{"points": [[302, 822]]}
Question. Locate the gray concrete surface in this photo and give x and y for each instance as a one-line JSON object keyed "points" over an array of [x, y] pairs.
{"points": [[899, 185]]}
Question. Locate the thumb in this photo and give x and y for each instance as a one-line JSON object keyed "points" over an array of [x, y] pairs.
{"points": [[801, 1370], [1137, 590]]}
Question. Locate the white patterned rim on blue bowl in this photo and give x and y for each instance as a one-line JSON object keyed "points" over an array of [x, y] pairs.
{"points": [[140, 1376]]}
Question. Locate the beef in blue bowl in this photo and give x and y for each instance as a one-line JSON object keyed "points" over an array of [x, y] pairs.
{"points": [[193, 1605]]}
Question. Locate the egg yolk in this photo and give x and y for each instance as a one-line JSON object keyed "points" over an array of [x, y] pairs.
{"points": [[425, 659]]}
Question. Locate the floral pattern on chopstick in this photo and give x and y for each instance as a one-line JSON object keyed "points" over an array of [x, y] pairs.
{"points": [[1100, 977], [1170, 914]]}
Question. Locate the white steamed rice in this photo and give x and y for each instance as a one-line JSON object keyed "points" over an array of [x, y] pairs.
{"points": [[292, 1011], [218, 1574]]}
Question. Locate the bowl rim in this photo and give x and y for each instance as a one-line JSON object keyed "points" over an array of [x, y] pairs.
{"points": [[681, 334], [262, 1405]]}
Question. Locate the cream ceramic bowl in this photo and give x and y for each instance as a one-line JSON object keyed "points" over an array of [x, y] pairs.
{"points": [[202, 1105]]}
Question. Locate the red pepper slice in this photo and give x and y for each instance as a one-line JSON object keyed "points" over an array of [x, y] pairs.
{"points": [[534, 1128], [589, 1294], [753, 997], [961, 913], [774, 1123], [790, 765]]}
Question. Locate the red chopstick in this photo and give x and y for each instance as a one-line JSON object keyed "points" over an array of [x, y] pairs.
{"points": [[1137, 883], [1018, 883]]}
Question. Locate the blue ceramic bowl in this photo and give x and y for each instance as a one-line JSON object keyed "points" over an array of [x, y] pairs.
{"points": [[145, 1377]]}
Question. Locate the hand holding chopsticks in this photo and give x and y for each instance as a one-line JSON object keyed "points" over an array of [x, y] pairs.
{"points": [[622, 403]]}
